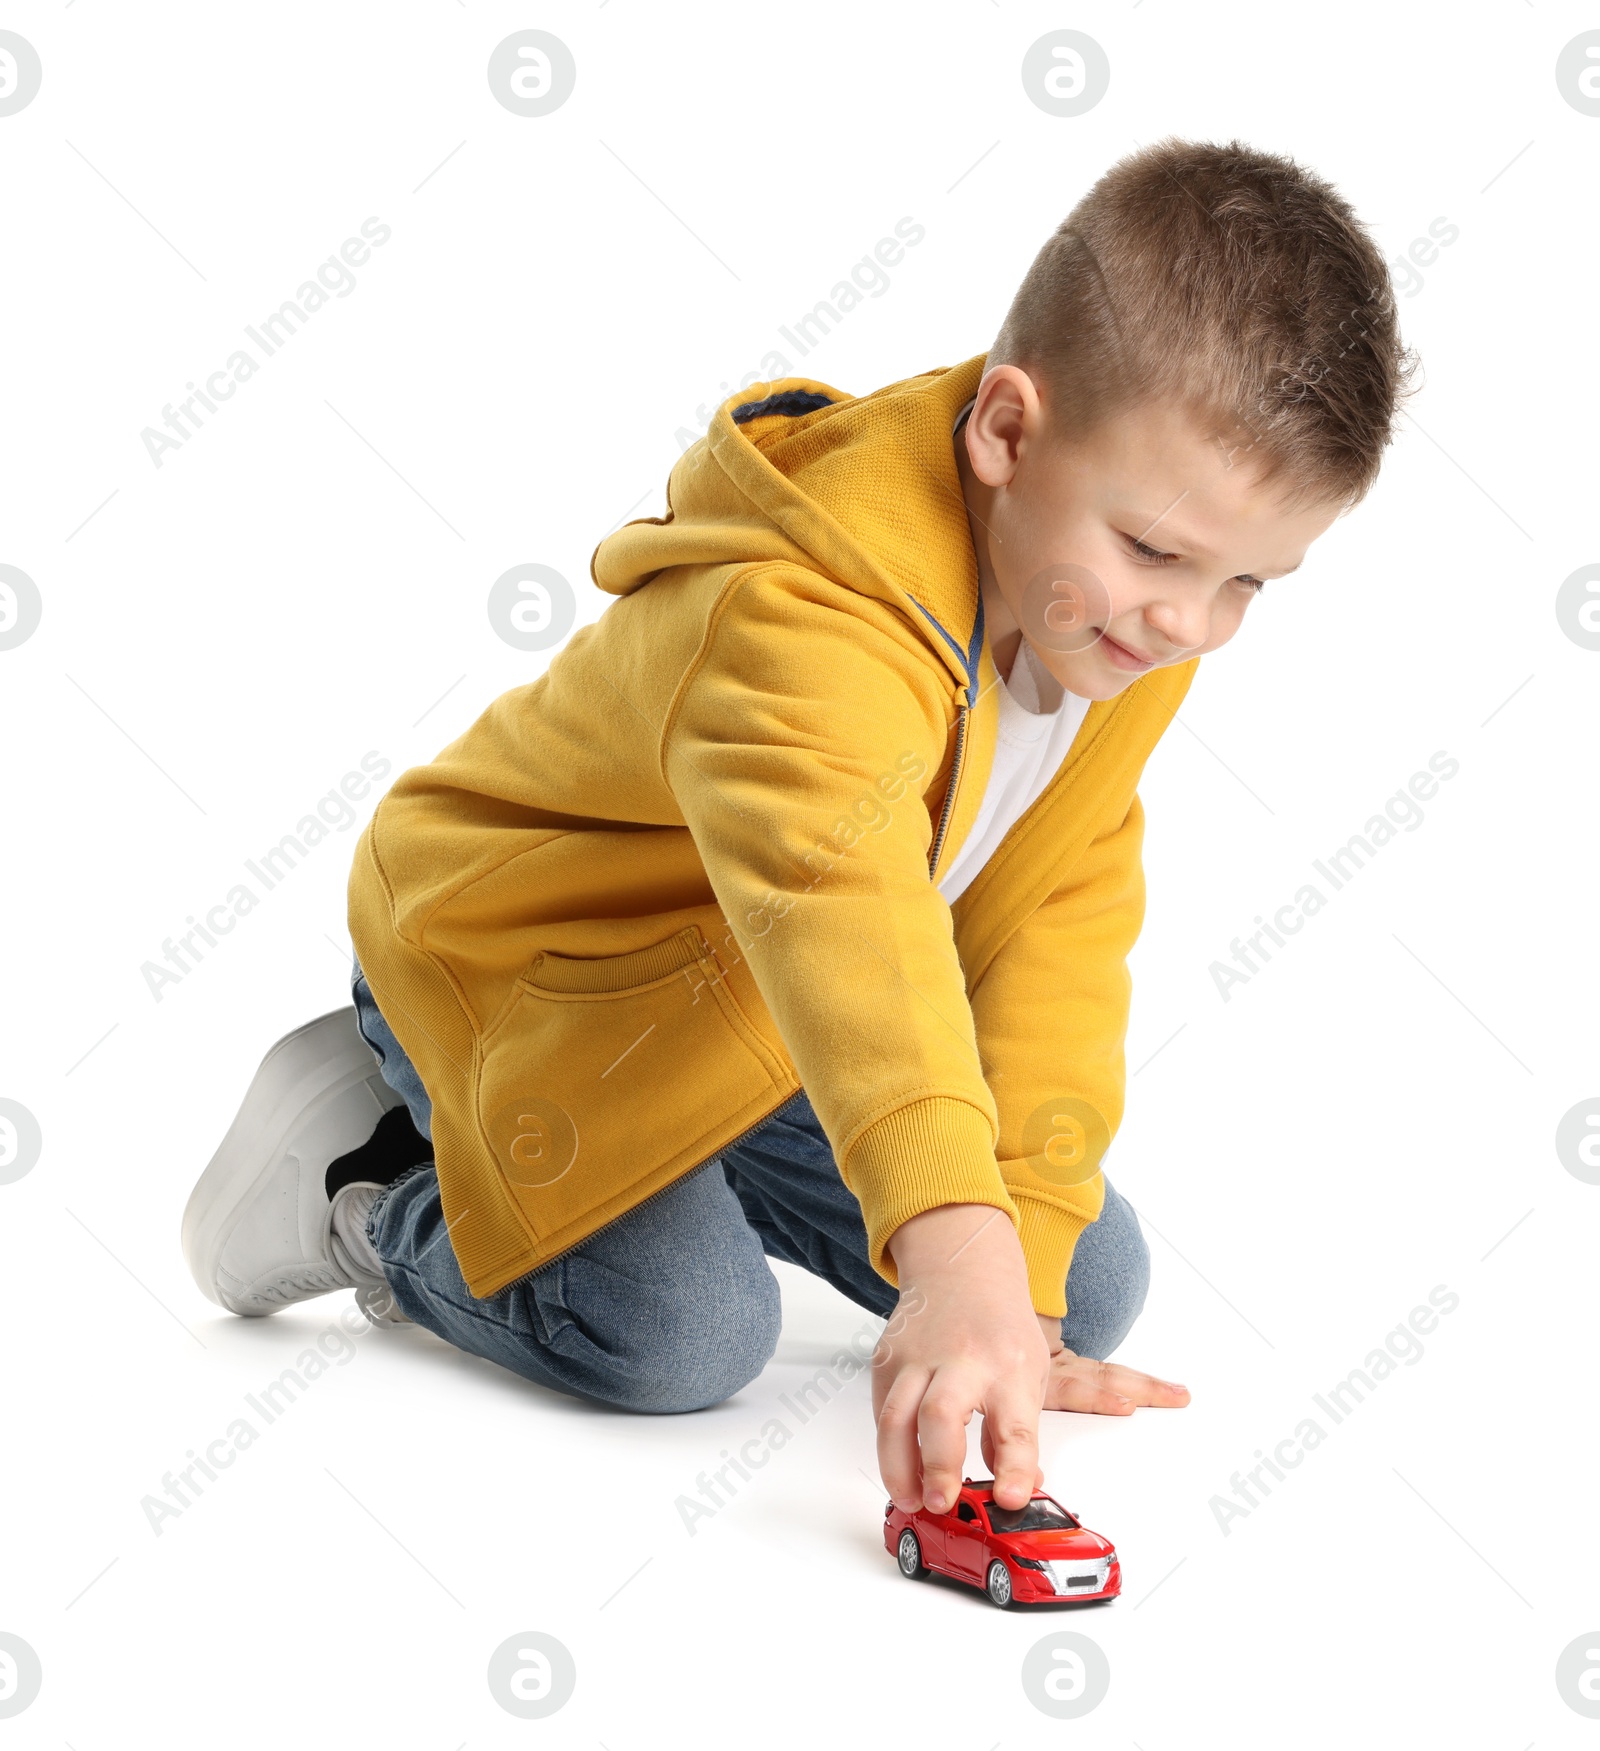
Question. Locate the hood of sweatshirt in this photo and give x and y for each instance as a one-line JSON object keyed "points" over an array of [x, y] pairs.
{"points": [[863, 489]]}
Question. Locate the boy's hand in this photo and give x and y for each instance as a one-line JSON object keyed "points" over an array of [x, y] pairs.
{"points": [[1079, 1383], [963, 1338]]}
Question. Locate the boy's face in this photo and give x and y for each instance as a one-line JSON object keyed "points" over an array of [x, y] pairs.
{"points": [[1139, 545]]}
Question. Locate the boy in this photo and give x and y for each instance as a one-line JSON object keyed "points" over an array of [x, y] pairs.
{"points": [[787, 914]]}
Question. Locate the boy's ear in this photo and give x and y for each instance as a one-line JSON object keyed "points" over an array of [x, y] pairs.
{"points": [[1005, 410]]}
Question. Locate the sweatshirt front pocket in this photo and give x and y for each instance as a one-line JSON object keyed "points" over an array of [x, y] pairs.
{"points": [[603, 1080]]}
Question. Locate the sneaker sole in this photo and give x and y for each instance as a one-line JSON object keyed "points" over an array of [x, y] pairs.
{"points": [[322, 1058]]}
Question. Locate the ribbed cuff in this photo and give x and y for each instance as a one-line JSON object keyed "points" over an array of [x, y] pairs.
{"points": [[931, 1152], [1049, 1235]]}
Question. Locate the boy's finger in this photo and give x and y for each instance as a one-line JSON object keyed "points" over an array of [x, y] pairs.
{"points": [[1079, 1392], [898, 1459], [946, 1409], [1145, 1388], [1012, 1422], [886, 1370], [987, 1444]]}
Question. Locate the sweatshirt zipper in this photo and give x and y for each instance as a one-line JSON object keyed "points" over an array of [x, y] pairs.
{"points": [[950, 789], [555, 1258]]}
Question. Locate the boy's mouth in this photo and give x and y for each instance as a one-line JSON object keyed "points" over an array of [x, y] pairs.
{"points": [[1121, 656]]}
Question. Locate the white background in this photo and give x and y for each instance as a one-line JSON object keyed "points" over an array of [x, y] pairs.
{"points": [[224, 637]]}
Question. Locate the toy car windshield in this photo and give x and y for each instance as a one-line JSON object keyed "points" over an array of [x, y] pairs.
{"points": [[1040, 1515]]}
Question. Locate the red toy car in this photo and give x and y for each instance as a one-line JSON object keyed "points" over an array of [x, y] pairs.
{"points": [[1016, 1555]]}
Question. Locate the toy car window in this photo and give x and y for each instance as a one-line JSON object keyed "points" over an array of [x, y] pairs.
{"points": [[1040, 1515], [966, 1512]]}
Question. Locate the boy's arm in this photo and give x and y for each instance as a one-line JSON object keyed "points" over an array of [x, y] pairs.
{"points": [[798, 749], [1051, 1011]]}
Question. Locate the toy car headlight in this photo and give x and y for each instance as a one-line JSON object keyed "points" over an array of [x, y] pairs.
{"points": [[1027, 1562]]}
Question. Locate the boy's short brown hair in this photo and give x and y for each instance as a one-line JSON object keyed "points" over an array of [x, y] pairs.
{"points": [[1235, 282]]}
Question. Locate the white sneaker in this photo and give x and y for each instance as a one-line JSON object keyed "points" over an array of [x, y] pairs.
{"points": [[259, 1230]]}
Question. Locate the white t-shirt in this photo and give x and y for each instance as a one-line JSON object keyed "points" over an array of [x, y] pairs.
{"points": [[1039, 720]]}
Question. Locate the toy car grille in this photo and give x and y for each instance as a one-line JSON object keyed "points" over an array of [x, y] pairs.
{"points": [[1078, 1577]]}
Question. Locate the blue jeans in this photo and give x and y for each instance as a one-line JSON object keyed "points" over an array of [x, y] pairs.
{"points": [[672, 1307]]}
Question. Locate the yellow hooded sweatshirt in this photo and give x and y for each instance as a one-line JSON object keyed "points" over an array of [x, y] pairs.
{"points": [[691, 869]]}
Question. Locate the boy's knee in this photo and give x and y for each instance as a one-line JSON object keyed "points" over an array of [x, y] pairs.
{"points": [[1108, 1281], [686, 1353]]}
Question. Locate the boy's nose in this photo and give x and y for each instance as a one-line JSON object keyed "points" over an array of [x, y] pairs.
{"points": [[1175, 627]]}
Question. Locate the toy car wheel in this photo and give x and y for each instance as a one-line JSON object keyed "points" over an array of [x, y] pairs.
{"points": [[909, 1553], [998, 1584]]}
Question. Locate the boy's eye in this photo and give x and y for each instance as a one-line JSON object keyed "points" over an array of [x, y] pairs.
{"points": [[1142, 550], [1148, 555]]}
